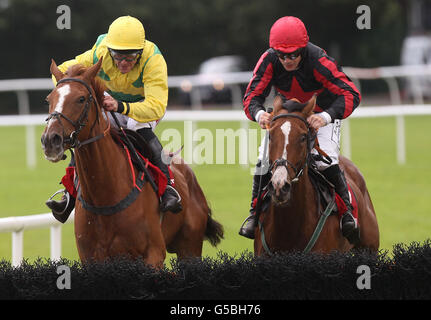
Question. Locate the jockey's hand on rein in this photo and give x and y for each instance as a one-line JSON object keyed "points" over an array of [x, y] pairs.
{"points": [[316, 121], [264, 120], [110, 104]]}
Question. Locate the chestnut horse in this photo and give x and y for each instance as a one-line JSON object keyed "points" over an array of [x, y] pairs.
{"points": [[290, 227], [106, 177]]}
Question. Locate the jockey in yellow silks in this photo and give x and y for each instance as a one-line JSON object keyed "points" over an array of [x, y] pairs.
{"points": [[144, 88], [135, 75]]}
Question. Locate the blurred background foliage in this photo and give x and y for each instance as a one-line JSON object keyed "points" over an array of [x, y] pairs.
{"points": [[190, 31]]}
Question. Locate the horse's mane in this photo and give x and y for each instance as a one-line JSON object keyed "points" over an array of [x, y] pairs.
{"points": [[77, 70], [294, 105], [284, 105]]}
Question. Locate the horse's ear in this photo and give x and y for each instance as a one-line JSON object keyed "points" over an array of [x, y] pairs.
{"points": [[278, 104], [55, 71], [308, 109], [91, 72]]}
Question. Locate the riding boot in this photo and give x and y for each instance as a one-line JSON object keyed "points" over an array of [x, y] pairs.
{"points": [[249, 225], [171, 199], [348, 224], [62, 209]]}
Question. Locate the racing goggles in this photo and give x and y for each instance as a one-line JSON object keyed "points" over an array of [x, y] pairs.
{"points": [[128, 55], [291, 55]]}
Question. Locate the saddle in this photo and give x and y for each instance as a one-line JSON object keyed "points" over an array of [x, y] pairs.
{"points": [[138, 142], [324, 189], [326, 193], [145, 154]]}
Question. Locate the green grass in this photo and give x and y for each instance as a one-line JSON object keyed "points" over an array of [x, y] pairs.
{"points": [[399, 192]]}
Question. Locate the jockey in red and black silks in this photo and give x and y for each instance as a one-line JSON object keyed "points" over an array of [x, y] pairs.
{"points": [[317, 73], [298, 69]]}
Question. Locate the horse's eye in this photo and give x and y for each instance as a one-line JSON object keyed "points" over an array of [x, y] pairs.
{"points": [[303, 138], [82, 99]]}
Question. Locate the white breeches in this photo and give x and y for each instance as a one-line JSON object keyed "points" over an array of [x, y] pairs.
{"points": [[329, 141], [130, 123]]}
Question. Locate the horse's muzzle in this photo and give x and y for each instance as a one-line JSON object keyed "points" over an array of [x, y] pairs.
{"points": [[280, 194], [52, 145]]}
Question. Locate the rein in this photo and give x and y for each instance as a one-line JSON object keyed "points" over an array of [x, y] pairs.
{"points": [[79, 124]]}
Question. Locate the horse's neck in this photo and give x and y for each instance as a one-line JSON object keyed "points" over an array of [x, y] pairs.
{"points": [[103, 171], [301, 212]]}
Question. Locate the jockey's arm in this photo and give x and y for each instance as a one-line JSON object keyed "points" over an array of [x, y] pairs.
{"points": [[86, 59], [155, 90], [338, 83], [258, 90]]}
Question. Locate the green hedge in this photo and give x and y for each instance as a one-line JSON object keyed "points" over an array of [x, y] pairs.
{"points": [[406, 274]]}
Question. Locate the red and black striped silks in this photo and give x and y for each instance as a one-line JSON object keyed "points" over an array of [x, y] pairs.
{"points": [[317, 73]]}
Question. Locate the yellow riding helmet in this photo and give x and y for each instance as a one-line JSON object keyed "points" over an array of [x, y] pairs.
{"points": [[126, 33]]}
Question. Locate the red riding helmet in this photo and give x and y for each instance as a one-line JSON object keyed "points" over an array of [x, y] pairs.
{"points": [[288, 34]]}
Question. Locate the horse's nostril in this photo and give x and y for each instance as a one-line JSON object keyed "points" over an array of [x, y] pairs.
{"points": [[285, 188], [56, 140]]}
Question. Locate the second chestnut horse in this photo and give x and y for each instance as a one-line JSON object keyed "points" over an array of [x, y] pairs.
{"points": [[291, 226]]}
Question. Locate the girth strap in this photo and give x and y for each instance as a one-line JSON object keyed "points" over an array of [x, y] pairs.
{"points": [[123, 204]]}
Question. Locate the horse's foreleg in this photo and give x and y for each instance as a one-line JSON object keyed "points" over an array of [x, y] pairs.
{"points": [[155, 258], [155, 252], [190, 249]]}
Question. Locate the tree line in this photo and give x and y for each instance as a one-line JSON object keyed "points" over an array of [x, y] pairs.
{"points": [[190, 31]]}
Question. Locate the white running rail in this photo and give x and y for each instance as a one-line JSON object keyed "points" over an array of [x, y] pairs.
{"points": [[17, 225]]}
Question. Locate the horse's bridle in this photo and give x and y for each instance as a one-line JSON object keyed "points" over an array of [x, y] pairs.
{"points": [[311, 136], [79, 124]]}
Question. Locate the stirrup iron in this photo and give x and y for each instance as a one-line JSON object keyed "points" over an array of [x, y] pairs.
{"points": [[66, 194]]}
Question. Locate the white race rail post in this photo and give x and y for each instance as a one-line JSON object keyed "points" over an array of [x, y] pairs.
{"points": [[17, 247], [401, 141], [55, 232], [24, 108]]}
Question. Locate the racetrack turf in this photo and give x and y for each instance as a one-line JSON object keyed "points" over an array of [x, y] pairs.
{"points": [[400, 193]]}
